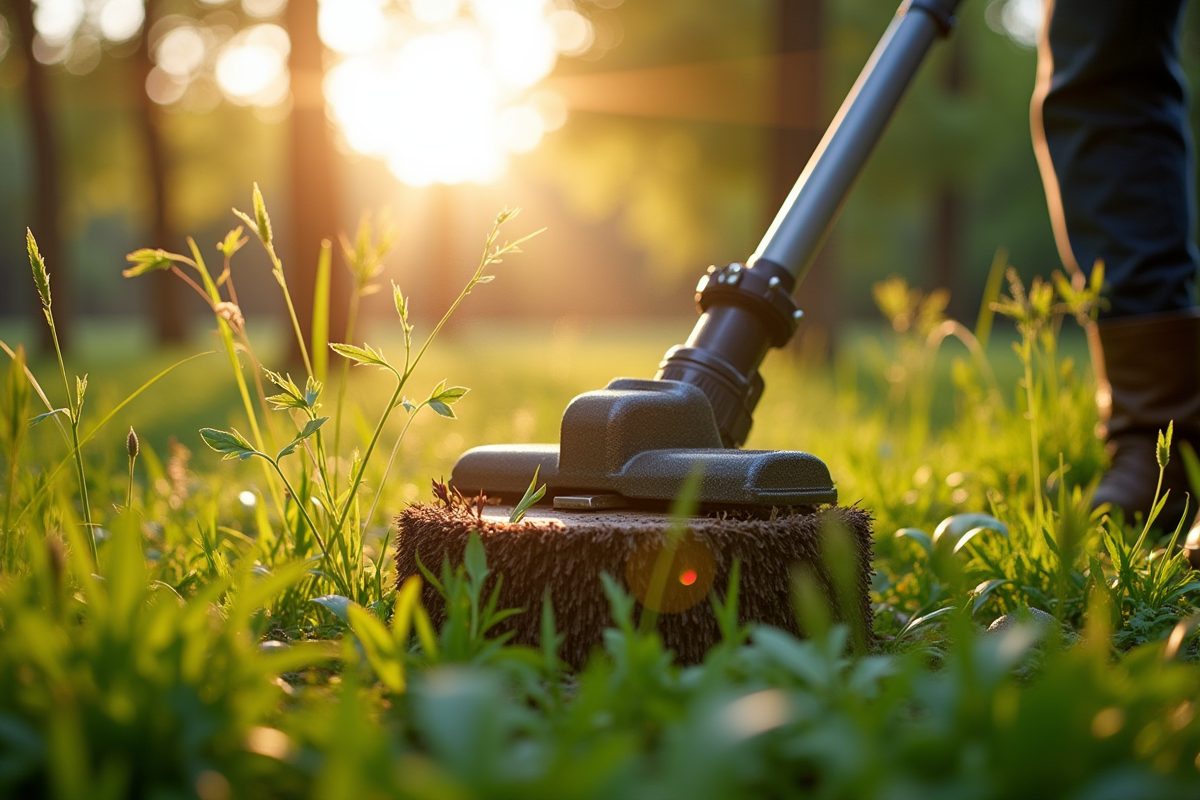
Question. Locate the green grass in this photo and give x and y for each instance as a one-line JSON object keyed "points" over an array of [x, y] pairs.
{"points": [[190, 659]]}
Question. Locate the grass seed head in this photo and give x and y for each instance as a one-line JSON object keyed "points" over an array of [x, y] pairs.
{"points": [[41, 277], [131, 443], [261, 217]]}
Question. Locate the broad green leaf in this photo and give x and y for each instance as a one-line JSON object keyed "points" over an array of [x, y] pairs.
{"points": [[231, 443], [284, 401], [337, 604], [361, 355], [449, 396], [442, 409], [982, 591], [919, 536], [285, 383], [150, 260], [916, 623], [953, 528], [310, 427]]}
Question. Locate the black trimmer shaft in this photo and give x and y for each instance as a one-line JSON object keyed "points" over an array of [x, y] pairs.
{"points": [[746, 309]]}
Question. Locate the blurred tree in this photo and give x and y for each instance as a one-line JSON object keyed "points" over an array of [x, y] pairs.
{"points": [[44, 188], [800, 125], [314, 174], [166, 301], [945, 262]]}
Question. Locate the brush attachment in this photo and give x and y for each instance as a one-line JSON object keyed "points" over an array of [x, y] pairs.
{"points": [[566, 552]]}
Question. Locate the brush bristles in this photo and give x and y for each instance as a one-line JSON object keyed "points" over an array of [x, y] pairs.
{"points": [[566, 553]]}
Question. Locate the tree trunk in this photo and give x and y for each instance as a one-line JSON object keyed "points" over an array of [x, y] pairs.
{"points": [[945, 262], [44, 221], [166, 298], [314, 175], [798, 83]]}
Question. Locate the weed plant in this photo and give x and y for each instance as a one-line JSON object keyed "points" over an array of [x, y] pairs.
{"points": [[173, 627]]}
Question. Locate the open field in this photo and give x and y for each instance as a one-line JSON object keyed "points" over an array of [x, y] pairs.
{"points": [[197, 665]]}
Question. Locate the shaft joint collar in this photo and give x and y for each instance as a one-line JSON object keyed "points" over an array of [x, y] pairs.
{"points": [[759, 289]]}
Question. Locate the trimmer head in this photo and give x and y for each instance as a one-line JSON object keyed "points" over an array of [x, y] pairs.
{"points": [[634, 443], [562, 555]]}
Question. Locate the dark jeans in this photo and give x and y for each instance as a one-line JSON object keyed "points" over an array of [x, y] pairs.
{"points": [[1111, 132]]}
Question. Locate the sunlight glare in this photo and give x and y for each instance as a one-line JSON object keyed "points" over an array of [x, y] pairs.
{"points": [[550, 107], [574, 33], [449, 102], [520, 129], [523, 52], [352, 26], [443, 94], [432, 12]]}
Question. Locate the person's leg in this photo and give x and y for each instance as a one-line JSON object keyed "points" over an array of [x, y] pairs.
{"points": [[1112, 139]]}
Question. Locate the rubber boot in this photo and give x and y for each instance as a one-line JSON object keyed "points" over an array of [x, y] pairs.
{"points": [[1148, 376]]}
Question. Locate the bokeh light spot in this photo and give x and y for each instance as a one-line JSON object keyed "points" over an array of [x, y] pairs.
{"points": [[180, 52], [121, 20]]}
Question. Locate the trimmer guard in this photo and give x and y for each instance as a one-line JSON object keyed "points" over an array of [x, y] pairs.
{"points": [[638, 440]]}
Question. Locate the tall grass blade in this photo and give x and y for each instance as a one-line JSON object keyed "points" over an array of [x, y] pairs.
{"points": [[320, 314]]}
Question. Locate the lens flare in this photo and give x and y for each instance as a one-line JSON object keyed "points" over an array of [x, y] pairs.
{"points": [[687, 577]]}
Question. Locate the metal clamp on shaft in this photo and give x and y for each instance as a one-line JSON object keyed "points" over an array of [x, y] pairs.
{"points": [[764, 291], [744, 311]]}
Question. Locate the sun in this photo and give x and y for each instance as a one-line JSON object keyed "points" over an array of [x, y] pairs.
{"points": [[447, 93]]}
